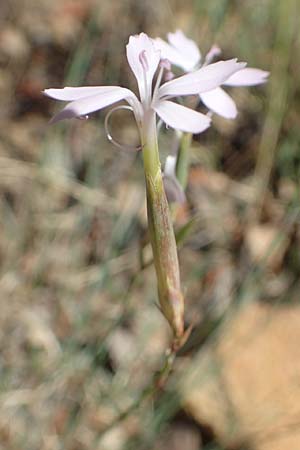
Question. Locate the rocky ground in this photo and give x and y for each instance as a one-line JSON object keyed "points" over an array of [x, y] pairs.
{"points": [[80, 334]]}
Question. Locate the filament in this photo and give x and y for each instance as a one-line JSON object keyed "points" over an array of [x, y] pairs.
{"points": [[126, 147], [214, 52], [157, 84]]}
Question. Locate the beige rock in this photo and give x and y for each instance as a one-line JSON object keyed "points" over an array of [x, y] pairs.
{"points": [[247, 385], [266, 244], [13, 43]]}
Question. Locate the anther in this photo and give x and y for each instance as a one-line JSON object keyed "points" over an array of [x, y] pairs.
{"points": [[143, 60], [165, 64]]}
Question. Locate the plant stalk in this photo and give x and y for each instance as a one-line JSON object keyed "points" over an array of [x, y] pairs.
{"points": [[183, 161], [161, 231]]}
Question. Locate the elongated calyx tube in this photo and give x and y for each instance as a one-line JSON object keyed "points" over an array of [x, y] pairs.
{"points": [[161, 232]]}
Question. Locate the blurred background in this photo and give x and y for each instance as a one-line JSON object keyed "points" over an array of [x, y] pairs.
{"points": [[80, 333]]}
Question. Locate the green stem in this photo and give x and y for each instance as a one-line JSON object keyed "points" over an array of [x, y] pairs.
{"points": [[161, 231], [182, 166], [157, 383], [151, 160]]}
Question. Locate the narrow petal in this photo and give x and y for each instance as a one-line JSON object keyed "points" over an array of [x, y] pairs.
{"points": [[187, 47], [181, 118], [247, 77], [69, 94], [143, 59], [218, 101], [87, 105], [202, 80]]}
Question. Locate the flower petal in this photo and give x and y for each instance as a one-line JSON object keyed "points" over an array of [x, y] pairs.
{"points": [[173, 55], [218, 101], [202, 80], [183, 52], [87, 105], [186, 47], [181, 118], [68, 94], [143, 59], [247, 77]]}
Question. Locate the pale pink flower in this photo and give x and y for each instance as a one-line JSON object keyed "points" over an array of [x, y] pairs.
{"points": [[173, 189], [145, 61], [184, 53]]}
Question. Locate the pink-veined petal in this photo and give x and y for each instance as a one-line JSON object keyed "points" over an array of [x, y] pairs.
{"points": [[218, 101], [181, 118], [202, 80], [186, 47], [247, 77], [69, 94], [87, 105], [143, 59]]}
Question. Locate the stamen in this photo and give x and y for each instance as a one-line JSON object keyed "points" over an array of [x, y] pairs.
{"points": [[144, 61], [157, 84], [213, 53], [165, 63], [109, 136], [145, 66]]}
